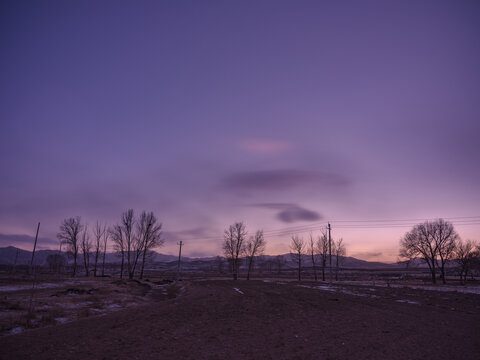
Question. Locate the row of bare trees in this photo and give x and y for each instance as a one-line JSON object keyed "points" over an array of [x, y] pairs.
{"points": [[133, 239], [437, 243], [236, 244], [318, 249]]}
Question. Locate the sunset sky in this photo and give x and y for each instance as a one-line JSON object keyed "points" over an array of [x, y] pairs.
{"points": [[283, 114]]}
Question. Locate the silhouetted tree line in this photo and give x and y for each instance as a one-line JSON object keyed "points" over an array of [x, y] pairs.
{"points": [[236, 244], [438, 244], [133, 240]]}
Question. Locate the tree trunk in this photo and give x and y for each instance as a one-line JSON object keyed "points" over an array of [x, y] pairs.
{"points": [[314, 267], [143, 263], [250, 262], [434, 278], [121, 267], [103, 262], [74, 264], [300, 267], [235, 269], [85, 263], [443, 274], [96, 263]]}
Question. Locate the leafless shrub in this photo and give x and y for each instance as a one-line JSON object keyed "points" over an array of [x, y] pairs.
{"points": [[69, 234]]}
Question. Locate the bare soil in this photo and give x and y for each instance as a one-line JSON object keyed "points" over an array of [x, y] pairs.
{"points": [[224, 319]]}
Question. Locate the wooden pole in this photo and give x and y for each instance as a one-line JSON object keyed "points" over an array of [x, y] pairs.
{"points": [[179, 259], [35, 245]]}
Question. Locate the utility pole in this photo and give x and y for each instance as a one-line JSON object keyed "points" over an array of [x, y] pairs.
{"points": [[30, 305], [34, 246], [179, 258], [330, 251]]}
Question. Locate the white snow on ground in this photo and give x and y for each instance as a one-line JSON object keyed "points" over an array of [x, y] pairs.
{"points": [[17, 330], [461, 289], [408, 302], [27, 287], [181, 291], [238, 290], [320, 287], [73, 305], [457, 288], [337, 289]]}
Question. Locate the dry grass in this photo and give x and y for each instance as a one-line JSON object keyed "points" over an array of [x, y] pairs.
{"points": [[67, 299]]}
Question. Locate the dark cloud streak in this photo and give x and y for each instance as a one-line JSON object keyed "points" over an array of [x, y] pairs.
{"points": [[282, 179], [289, 213]]}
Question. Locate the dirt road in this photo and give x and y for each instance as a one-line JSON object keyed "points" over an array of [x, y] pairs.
{"points": [[268, 320]]}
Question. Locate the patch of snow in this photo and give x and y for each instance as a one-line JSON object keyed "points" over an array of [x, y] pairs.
{"points": [[17, 330], [408, 302], [348, 292], [27, 287], [320, 287], [333, 289], [238, 290], [113, 306], [74, 305], [457, 288]]}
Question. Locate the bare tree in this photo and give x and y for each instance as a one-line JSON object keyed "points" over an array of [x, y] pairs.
{"points": [[99, 232], [86, 249], [127, 225], [116, 234], [322, 250], [430, 241], [233, 245], [106, 236], [446, 239], [339, 252], [465, 255], [255, 246], [313, 253], [150, 234], [133, 241], [297, 246], [69, 234]]}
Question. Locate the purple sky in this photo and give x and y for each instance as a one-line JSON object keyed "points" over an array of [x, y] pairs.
{"points": [[278, 113]]}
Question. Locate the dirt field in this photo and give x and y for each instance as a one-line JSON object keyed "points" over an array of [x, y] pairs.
{"points": [[223, 319]]}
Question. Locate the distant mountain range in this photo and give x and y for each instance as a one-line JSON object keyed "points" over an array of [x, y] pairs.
{"points": [[11, 255]]}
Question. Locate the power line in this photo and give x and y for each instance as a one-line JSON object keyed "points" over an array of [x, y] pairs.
{"points": [[361, 225]]}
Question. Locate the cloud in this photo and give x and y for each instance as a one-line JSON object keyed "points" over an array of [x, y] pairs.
{"points": [[25, 241], [281, 179], [195, 233], [289, 213], [265, 146]]}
